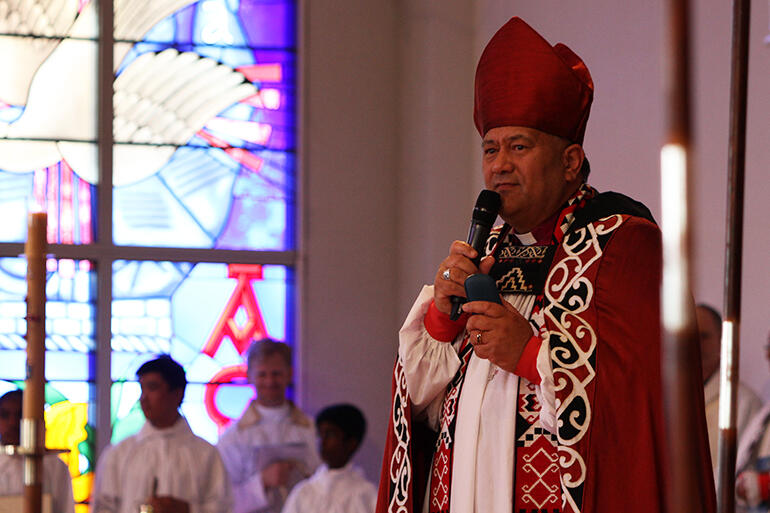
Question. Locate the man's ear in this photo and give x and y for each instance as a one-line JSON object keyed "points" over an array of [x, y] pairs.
{"points": [[572, 158]]}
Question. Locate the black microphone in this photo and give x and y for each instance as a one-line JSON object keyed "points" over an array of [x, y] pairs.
{"points": [[484, 215]]}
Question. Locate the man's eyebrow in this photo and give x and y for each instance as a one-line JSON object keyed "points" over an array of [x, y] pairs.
{"points": [[509, 139]]}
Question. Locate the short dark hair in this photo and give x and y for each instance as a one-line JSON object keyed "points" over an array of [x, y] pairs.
{"points": [[346, 417], [266, 347], [12, 395], [171, 372]]}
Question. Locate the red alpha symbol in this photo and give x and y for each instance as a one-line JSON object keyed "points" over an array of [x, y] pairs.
{"points": [[240, 336], [243, 296]]}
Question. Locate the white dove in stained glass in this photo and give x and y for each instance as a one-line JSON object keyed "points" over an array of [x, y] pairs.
{"points": [[161, 99]]}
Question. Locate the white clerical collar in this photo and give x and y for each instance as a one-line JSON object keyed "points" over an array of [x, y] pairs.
{"points": [[273, 413], [345, 469], [526, 238], [179, 427]]}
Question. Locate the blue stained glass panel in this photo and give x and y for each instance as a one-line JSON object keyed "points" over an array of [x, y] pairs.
{"points": [[69, 319], [70, 291], [182, 309]]}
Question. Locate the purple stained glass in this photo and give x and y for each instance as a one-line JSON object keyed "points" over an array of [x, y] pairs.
{"points": [[229, 182], [68, 199]]}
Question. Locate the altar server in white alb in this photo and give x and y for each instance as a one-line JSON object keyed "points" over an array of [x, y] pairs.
{"points": [[338, 486], [272, 446], [56, 476], [165, 465]]}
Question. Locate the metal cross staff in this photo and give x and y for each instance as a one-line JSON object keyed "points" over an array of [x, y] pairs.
{"points": [[728, 387]]}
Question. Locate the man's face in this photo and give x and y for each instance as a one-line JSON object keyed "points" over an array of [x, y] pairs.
{"points": [[10, 420], [528, 169], [709, 334], [335, 448], [270, 376], [159, 403]]}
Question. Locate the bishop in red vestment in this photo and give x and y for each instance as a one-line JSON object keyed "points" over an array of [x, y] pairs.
{"points": [[550, 401]]}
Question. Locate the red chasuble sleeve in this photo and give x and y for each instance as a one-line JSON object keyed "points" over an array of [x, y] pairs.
{"points": [[440, 326], [527, 366], [622, 439]]}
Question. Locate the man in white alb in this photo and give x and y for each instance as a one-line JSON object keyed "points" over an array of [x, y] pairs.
{"points": [[165, 465], [272, 446]]}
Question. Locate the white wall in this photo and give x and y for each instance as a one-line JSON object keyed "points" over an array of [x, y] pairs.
{"points": [[390, 160], [350, 196], [438, 183]]}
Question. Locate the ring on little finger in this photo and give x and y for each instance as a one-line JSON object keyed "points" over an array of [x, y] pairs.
{"points": [[478, 338], [445, 274]]}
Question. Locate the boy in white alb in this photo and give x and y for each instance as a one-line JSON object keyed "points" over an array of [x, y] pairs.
{"points": [[337, 486]]}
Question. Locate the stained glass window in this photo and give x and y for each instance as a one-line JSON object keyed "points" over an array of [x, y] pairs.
{"points": [[208, 167], [70, 288], [204, 136], [204, 315]]}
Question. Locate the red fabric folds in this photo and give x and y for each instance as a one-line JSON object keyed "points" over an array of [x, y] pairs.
{"points": [[521, 80], [764, 486]]}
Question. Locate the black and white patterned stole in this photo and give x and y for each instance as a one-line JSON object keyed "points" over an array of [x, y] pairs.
{"points": [[518, 269]]}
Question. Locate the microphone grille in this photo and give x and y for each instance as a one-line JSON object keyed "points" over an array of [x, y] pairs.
{"points": [[487, 207]]}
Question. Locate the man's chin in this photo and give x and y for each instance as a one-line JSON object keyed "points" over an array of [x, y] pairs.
{"points": [[510, 214], [272, 401], [511, 201]]}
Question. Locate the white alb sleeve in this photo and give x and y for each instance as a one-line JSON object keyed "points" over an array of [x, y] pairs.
{"points": [[545, 392], [429, 365]]}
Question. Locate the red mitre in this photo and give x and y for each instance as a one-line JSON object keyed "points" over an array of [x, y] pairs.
{"points": [[522, 80]]}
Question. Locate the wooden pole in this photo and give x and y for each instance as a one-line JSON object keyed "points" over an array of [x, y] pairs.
{"points": [[729, 373], [33, 422], [685, 492], [103, 356]]}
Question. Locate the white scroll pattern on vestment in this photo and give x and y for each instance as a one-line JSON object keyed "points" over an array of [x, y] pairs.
{"points": [[572, 342], [400, 465]]}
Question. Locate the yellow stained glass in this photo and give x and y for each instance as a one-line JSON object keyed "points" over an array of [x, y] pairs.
{"points": [[65, 428]]}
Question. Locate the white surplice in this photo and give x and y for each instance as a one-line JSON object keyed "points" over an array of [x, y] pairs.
{"points": [[484, 438], [56, 480], [342, 490], [173, 461]]}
